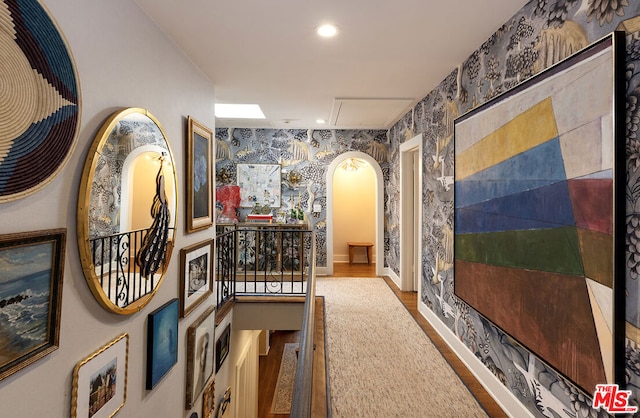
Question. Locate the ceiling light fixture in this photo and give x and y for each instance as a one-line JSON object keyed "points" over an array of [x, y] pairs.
{"points": [[238, 111], [353, 164], [327, 30], [321, 121]]}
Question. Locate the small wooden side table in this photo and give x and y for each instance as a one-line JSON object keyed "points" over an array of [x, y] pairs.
{"points": [[354, 245]]}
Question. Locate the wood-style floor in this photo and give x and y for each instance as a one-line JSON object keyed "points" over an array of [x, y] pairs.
{"points": [[270, 364], [269, 368]]}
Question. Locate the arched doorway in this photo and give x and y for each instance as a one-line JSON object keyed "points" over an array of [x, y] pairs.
{"points": [[139, 172], [379, 217]]}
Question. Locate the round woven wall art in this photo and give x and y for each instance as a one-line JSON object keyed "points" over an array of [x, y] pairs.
{"points": [[39, 99]]}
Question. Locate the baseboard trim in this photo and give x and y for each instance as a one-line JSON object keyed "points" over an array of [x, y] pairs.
{"points": [[507, 400], [393, 276]]}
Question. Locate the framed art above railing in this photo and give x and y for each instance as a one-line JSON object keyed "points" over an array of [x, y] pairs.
{"points": [[260, 184]]}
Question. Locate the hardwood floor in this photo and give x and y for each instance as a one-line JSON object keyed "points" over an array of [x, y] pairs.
{"points": [[270, 368], [354, 270], [270, 364]]}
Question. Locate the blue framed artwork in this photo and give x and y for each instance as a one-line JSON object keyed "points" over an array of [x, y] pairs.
{"points": [[539, 214], [162, 341]]}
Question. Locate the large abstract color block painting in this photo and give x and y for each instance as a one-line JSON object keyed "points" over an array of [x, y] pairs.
{"points": [[534, 193]]}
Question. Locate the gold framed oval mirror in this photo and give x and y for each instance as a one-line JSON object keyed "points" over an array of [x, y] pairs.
{"points": [[127, 206]]}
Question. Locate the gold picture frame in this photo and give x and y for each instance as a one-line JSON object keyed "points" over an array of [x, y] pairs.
{"points": [[209, 400], [199, 176], [100, 381]]}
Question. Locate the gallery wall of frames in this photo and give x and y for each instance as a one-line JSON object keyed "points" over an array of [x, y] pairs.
{"points": [[106, 296]]}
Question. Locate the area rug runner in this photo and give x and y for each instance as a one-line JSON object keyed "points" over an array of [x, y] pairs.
{"points": [[381, 363], [283, 394]]}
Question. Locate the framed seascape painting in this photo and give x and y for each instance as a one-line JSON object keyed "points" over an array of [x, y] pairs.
{"points": [[162, 342], [199, 176], [260, 184], [200, 345], [539, 214], [31, 272], [100, 381], [196, 275], [222, 347]]}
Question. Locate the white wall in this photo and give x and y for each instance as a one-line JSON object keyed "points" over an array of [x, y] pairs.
{"points": [[354, 211], [122, 60]]}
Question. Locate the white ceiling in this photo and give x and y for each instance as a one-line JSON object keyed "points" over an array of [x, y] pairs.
{"points": [[388, 53]]}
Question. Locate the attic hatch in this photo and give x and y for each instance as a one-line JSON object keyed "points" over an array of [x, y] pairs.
{"points": [[368, 113]]}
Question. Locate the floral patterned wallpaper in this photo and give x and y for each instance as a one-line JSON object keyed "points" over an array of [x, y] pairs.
{"points": [[540, 34], [304, 156]]}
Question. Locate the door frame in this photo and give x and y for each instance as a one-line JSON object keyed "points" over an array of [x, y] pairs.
{"points": [[379, 199], [410, 253]]}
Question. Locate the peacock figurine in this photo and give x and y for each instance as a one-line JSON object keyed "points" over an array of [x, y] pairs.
{"points": [[154, 246]]}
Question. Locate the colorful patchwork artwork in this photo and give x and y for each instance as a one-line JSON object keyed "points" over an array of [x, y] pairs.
{"points": [[534, 215]]}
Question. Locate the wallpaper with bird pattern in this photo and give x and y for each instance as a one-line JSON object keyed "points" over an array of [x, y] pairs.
{"points": [[542, 33], [304, 156], [539, 35]]}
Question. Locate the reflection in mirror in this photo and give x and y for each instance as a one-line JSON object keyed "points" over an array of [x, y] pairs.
{"points": [[127, 210]]}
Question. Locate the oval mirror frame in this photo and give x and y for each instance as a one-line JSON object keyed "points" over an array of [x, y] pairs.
{"points": [[123, 265]]}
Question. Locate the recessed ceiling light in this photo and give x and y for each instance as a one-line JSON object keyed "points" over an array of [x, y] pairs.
{"points": [[238, 111], [327, 30], [320, 121]]}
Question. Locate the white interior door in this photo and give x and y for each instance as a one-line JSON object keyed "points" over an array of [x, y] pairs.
{"points": [[417, 199], [246, 384], [410, 214]]}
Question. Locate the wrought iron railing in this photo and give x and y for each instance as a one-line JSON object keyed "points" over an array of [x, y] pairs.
{"points": [[269, 260], [113, 258], [225, 256], [266, 261]]}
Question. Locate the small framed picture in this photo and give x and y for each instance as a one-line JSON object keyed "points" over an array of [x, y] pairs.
{"points": [[199, 176], [31, 274], [224, 404], [100, 381], [196, 275], [162, 341], [209, 400], [222, 347], [200, 344]]}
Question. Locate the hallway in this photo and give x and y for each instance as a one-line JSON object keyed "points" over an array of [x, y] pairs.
{"points": [[269, 365]]}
